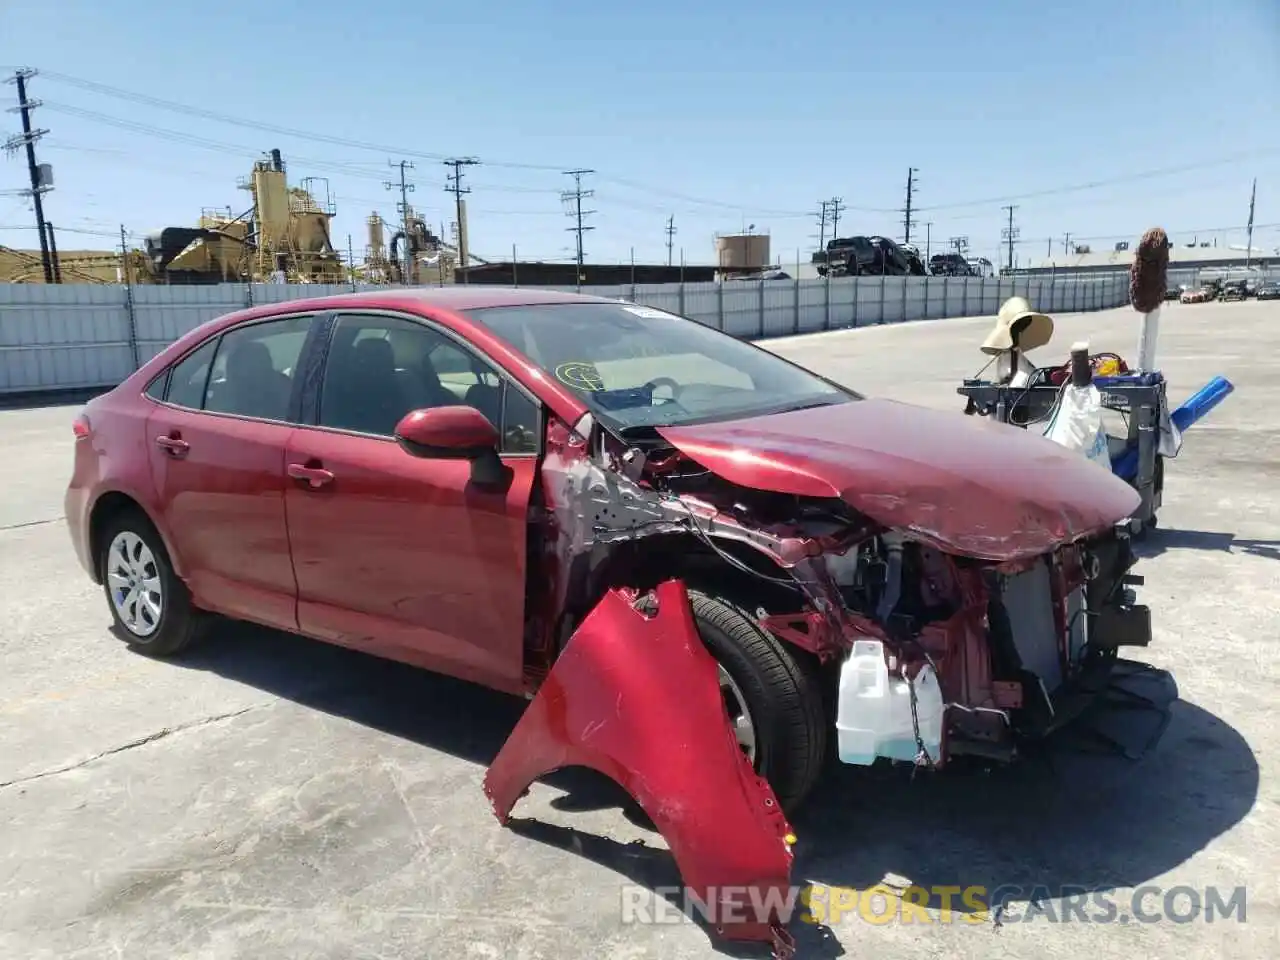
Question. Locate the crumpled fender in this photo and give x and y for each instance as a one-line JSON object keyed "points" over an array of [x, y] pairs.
{"points": [[637, 698]]}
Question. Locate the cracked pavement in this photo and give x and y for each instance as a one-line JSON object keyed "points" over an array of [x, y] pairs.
{"points": [[267, 796]]}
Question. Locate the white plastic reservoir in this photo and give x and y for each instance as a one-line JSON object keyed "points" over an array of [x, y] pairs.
{"points": [[873, 718]]}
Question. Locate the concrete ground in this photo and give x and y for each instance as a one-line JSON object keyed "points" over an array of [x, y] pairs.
{"points": [[270, 797]]}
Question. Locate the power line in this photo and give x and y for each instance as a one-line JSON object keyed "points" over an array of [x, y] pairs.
{"points": [[453, 184], [353, 168], [907, 222], [575, 197], [671, 235], [27, 139], [189, 110]]}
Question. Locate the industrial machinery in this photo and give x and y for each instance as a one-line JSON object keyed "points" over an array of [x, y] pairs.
{"points": [[283, 237], [290, 241]]}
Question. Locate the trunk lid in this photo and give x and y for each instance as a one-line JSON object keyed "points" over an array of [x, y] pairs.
{"points": [[963, 484]]}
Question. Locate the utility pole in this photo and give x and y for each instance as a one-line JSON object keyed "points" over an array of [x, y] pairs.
{"points": [[37, 174], [837, 207], [402, 208], [928, 239], [671, 233], [574, 198], [1010, 233], [53, 253], [822, 225], [1066, 243], [906, 219], [453, 184], [1248, 244]]}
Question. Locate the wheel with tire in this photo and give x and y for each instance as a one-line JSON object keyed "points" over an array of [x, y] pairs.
{"points": [[151, 607], [773, 697]]}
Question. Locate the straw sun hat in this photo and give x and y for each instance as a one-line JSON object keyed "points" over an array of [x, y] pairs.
{"points": [[1033, 329]]}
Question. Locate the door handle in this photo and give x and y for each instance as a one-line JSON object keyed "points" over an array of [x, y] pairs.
{"points": [[315, 476], [173, 446]]}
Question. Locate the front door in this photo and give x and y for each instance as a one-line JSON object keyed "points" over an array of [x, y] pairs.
{"points": [[217, 447], [404, 557]]}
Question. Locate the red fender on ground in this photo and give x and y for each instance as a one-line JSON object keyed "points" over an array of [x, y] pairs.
{"points": [[637, 698]]}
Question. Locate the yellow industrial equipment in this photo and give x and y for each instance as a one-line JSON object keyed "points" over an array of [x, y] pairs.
{"points": [[284, 237], [291, 238]]}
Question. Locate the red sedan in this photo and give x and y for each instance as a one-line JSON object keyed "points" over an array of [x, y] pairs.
{"points": [[702, 563]]}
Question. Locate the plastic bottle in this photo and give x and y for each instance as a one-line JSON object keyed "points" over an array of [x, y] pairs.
{"points": [[1077, 422], [874, 718]]}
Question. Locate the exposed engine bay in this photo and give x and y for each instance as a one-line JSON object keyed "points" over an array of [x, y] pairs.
{"points": [[1012, 644], [922, 651]]}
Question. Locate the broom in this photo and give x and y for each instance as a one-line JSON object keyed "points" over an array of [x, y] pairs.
{"points": [[1148, 281]]}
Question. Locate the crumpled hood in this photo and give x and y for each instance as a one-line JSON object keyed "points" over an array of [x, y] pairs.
{"points": [[961, 483]]}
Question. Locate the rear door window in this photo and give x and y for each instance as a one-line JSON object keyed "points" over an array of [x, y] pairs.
{"points": [[190, 375], [255, 369]]}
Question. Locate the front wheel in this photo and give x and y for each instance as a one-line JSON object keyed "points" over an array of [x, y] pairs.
{"points": [[772, 695], [150, 606]]}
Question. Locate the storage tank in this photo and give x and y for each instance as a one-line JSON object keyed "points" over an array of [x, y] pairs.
{"points": [[743, 251], [271, 196], [376, 239]]}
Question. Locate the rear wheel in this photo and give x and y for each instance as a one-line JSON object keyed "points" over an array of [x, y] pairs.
{"points": [[151, 607], [772, 696]]}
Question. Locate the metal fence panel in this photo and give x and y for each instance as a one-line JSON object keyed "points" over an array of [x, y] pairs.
{"points": [[71, 336]]}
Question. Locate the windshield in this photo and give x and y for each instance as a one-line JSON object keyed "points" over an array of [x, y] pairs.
{"points": [[641, 367]]}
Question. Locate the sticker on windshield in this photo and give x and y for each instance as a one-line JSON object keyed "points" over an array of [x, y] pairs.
{"points": [[581, 375], [650, 313]]}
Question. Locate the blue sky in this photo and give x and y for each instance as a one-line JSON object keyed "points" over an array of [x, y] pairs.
{"points": [[719, 114]]}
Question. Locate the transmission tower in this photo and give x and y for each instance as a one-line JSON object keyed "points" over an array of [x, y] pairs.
{"points": [[574, 200], [453, 184], [402, 208], [671, 233], [907, 222], [40, 174], [1010, 234]]}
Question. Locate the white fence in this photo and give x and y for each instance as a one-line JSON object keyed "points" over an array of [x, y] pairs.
{"points": [[84, 336]]}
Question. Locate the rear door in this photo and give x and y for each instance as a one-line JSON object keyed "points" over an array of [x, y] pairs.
{"points": [[217, 446], [404, 557]]}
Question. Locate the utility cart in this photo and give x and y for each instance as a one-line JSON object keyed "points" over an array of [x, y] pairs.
{"points": [[1137, 399]]}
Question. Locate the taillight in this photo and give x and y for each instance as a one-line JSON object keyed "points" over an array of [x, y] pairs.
{"points": [[80, 427]]}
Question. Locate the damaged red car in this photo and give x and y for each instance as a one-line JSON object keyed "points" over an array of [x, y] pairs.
{"points": [[706, 566]]}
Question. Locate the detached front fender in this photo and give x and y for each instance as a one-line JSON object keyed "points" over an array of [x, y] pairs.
{"points": [[636, 696]]}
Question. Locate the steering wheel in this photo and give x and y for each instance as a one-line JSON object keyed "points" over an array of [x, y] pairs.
{"points": [[676, 389]]}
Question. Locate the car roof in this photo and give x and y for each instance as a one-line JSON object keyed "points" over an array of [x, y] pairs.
{"points": [[453, 297]]}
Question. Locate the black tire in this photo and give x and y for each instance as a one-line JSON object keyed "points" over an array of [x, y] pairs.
{"points": [[782, 692], [179, 622]]}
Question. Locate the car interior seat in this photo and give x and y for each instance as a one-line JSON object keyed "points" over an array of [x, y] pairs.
{"points": [[362, 391], [253, 386], [426, 390], [488, 400]]}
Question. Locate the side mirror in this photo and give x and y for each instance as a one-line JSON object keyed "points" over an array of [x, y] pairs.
{"points": [[447, 433], [455, 433]]}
